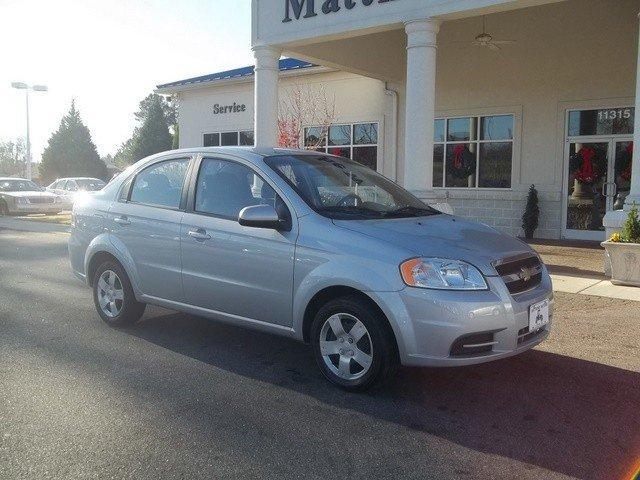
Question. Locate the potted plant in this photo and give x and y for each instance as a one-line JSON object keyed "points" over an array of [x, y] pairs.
{"points": [[623, 251]]}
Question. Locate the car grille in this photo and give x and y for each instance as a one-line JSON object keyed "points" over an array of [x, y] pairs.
{"points": [[520, 273], [40, 200]]}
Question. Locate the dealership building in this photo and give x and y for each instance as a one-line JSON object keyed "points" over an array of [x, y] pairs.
{"points": [[467, 103]]}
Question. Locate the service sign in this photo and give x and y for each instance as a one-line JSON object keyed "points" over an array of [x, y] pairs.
{"points": [[233, 108]]}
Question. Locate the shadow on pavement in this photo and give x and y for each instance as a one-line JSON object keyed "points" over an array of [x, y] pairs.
{"points": [[576, 272], [564, 414]]}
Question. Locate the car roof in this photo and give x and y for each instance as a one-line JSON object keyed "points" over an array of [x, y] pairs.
{"points": [[246, 153], [78, 178]]}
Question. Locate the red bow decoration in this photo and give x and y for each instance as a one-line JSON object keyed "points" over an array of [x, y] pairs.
{"points": [[585, 173], [457, 156]]}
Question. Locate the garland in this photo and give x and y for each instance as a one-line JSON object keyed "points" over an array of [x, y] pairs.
{"points": [[623, 162]]}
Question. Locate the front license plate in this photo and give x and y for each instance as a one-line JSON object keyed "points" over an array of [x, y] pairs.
{"points": [[538, 315]]}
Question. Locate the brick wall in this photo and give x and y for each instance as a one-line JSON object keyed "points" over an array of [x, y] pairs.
{"points": [[503, 209]]}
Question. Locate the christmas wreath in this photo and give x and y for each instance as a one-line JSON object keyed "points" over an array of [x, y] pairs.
{"points": [[587, 166], [623, 162], [463, 162]]}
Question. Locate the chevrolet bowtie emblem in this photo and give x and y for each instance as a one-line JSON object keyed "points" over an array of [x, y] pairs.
{"points": [[526, 274]]}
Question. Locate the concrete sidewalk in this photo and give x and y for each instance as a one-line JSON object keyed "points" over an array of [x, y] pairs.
{"points": [[593, 286], [578, 268]]}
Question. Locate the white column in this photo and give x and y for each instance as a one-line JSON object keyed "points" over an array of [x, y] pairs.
{"points": [[420, 104], [266, 96], [634, 193]]}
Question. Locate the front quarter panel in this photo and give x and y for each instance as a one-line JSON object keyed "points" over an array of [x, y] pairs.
{"points": [[328, 256]]}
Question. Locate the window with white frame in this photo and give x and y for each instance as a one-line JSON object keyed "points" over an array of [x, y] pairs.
{"points": [[358, 141], [473, 152], [228, 139]]}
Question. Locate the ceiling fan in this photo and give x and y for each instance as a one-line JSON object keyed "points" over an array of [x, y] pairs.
{"points": [[485, 39]]}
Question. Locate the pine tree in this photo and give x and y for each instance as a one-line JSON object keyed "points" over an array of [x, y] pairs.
{"points": [[531, 213], [153, 136], [71, 152], [631, 229]]}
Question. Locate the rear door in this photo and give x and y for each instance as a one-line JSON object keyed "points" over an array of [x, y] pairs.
{"points": [[146, 223], [227, 267]]}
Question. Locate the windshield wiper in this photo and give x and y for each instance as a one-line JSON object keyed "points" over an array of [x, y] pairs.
{"points": [[349, 210], [412, 211]]}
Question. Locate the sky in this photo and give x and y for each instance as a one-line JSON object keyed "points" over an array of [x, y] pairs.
{"points": [[108, 55]]}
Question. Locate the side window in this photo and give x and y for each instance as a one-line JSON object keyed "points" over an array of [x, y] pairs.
{"points": [[224, 188], [160, 184], [62, 184], [72, 186]]}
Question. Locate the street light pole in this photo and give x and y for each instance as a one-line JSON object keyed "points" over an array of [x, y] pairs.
{"points": [[26, 88], [26, 96]]}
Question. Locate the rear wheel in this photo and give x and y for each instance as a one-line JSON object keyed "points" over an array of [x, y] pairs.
{"points": [[113, 295], [4, 210], [351, 345]]}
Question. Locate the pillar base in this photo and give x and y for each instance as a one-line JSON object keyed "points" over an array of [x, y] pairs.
{"points": [[439, 202], [613, 222]]}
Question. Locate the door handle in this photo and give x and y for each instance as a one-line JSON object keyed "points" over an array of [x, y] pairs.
{"points": [[122, 220], [199, 234]]}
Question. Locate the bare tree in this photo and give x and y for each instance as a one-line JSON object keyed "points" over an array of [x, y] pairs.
{"points": [[300, 106]]}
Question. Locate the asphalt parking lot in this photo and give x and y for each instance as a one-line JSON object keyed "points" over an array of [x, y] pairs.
{"points": [[177, 396]]}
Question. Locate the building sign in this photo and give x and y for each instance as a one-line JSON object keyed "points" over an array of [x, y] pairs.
{"points": [[295, 8], [235, 108], [605, 121]]}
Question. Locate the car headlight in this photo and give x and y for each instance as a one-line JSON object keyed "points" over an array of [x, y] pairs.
{"points": [[442, 274]]}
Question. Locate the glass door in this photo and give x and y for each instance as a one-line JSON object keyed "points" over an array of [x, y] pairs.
{"points": [[598, 152], [620, 184], [588, 176]]}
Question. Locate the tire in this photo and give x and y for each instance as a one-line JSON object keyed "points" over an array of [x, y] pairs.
{"points": [[115, 289], [4, 210], [346, 350]]}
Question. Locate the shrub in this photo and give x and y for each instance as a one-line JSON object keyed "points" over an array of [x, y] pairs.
{"points": [[531, 213], [631, 230]]}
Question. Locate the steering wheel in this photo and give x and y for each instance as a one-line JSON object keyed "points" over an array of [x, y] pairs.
{"points": [[357, 201]]}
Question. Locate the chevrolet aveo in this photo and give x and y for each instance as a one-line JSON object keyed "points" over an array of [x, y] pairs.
{"points": [[314, 247]]}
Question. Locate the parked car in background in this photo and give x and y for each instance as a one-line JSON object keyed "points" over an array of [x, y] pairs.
{"points": [[312, 246], [19, 196], [69, 188]]}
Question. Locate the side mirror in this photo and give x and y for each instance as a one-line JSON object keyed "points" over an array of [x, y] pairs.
{"points": [[261, 216]]}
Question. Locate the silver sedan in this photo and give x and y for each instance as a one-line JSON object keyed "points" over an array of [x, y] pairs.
{"points": [[311, 246], [23, 197]]}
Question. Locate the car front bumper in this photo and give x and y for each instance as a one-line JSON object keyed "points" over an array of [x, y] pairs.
{"points": [[32, 208], [427, 323]]}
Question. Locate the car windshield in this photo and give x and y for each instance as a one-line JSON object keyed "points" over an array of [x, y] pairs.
{"points": [[18, 186], [90, 184], [341, 188]]}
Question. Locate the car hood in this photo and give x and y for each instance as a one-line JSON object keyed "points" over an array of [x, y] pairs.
{"points": [[443, 236], [28, 194]]}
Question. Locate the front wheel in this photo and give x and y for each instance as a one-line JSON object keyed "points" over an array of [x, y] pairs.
{"points": [[4, 209], [351, 345], [113, 296]]}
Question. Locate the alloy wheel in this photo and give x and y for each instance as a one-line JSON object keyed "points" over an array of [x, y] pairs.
{"points": [[110, 293], [346, 346]]}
